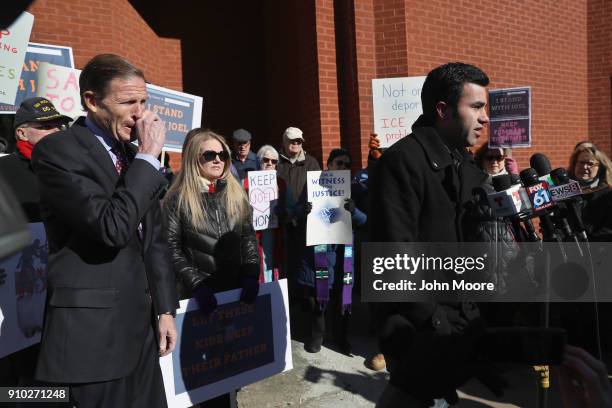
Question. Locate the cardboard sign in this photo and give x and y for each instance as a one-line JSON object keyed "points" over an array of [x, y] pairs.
{"points": [[236, 345], [263, 197], [328, 222], [13, 45], [61, 86], [181, 112], [35, 55], [23, 294], [510, 117], [397, 105]]}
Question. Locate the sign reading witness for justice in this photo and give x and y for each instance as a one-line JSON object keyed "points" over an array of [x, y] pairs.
{"points": [[236, 345], [181, 112], [510, 117], [13, 45], [28, 83], [328, 222], [397, 105], [263, 196]]}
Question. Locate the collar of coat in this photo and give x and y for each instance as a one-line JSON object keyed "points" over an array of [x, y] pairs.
{"points": [[437, 153], [301, 157]]}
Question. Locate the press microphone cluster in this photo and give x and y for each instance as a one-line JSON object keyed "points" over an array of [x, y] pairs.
{"points": [[540, 193]]}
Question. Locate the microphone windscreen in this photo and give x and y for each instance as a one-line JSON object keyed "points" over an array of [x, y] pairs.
{"points": [[559, 176], [529, 177], [540, 163], [502, 182]]}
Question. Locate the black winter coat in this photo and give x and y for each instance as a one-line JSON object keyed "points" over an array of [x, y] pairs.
{"points": [[294, 175], [218, 255], [17, 171], [419, 192]]}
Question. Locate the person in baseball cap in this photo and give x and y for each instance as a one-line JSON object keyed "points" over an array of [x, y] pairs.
{"points": [[36, 118], [244, 160]]}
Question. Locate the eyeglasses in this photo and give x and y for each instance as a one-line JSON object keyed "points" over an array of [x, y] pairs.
{"points": [[341, 163], [589, 164], [494, 158], [296, 141], [210, 155], [47, 126], [267, 160]]}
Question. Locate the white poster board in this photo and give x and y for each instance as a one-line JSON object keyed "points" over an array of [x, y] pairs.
{"points": [[14, 43], [328, 222], [23, 294], [263, 197], [397, 105], [236, 345], [61, 86]]}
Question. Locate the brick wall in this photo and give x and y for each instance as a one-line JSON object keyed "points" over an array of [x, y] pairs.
{"points": [[92, 27], [600, 72]]}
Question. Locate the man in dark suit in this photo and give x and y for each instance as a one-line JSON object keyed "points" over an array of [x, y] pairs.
{"points": [[111, 292]]}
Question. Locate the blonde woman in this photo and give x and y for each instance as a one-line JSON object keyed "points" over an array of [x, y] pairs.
{"points": [[210, 232]]}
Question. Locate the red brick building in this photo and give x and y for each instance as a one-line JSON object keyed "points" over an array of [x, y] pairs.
{"points": [[268, 64]]}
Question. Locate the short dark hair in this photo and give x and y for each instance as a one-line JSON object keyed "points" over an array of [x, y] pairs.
{"points": [[101, 70], [340, 151], [445, 83]]}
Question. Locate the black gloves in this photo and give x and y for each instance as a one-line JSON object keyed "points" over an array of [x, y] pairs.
{"points": [[250, 289], [349, 205], [307, 208], [206, 299]]}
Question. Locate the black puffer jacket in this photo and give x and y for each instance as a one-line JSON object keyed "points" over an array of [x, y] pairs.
{"points": [[218, 255]]}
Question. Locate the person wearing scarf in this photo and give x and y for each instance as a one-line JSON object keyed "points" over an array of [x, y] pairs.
{"points": [[327, 276]]}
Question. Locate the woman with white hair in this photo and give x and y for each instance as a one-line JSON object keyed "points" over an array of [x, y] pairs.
{"points": [[270, 241]]}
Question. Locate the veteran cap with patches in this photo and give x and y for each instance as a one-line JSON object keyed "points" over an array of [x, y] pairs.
{"points": [[37, 109]]}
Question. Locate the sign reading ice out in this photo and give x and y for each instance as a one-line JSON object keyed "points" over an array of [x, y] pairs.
{"points": [[397, 105]]}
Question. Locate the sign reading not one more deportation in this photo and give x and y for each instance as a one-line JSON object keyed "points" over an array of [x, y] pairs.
{"points": [[510, 117], [397, 105], [236, 345], [328, 222], [181, 112], [13, 46]]}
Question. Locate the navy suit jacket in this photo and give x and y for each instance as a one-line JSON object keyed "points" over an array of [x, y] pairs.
{"points": [[105, 283]]}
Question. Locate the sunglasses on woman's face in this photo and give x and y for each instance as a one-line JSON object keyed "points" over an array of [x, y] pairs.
{"points": [[267, 160], [494, 158], [210, 155], [342, 163]]}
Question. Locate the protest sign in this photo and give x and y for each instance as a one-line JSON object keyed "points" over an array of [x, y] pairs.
{"points": [[510, 117], [397, 105], [328, 222], [61, 86], [181, 112], [236, 345], [13, 45], [35, 55], [23, 289], [263, 196]]}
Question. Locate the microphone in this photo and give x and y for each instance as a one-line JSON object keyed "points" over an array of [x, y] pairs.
{"points": [[540, 199], [569, 192], [509, 201], [540, 163]]}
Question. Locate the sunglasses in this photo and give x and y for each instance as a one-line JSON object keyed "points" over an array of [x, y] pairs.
{"points": [[266, 160], [341, 163], [296, 141], [494, 158], [210, 155]]}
